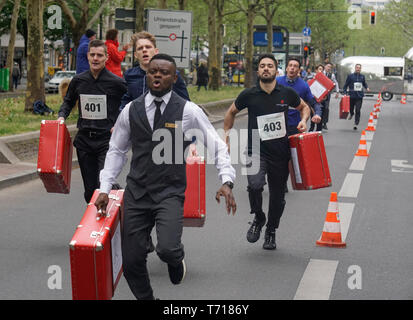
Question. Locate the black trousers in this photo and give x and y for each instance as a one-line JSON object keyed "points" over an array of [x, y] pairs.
{"points": [[277, 175], [91, 151], [139, 218], [325, 104], [355, 103]]}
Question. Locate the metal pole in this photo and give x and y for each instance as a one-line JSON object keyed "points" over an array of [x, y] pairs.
{"points": [[197, 51], [306, 14], [239, 56]]}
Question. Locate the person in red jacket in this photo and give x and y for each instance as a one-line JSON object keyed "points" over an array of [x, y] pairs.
{"points": [[115, 56]]}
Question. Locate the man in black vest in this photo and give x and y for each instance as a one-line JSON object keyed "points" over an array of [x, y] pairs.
{"points": [[156, 183]]}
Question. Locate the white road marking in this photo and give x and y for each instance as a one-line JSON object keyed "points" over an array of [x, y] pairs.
{"points": [[351, 185], [359, 163], [317, 280], [345, 211], [401, 166], [369, 135]]}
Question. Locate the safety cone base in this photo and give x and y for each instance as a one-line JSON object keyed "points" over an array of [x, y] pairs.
{"points": [[323, 243]]}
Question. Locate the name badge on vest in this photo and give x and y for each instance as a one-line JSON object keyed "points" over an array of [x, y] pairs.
{"points": [[93, 106], [271, 126], [171, 125]]}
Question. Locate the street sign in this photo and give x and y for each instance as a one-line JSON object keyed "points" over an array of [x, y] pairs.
{"points": [[260, 39], [307, 31], [173, 31], [306, 39], [125, 19], [124, 25], [124, 13]]}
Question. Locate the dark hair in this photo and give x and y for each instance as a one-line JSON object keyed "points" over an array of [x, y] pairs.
{"points": [[111, 34], [294, 59], [269, 56], [97, 43], [90, 33], [163, 56], [320, 65]]}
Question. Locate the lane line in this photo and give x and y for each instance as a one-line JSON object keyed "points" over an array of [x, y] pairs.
{"points": [[317, 280], [358, 163], [351, 185], [345, 211]]}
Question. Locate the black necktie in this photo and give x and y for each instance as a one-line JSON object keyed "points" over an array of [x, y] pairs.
{"points": [[157, 113]]}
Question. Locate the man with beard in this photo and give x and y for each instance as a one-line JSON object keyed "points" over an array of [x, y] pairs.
{"points": [[155, 190], [268, 105]]}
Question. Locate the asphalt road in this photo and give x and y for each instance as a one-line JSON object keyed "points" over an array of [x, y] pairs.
{"points": [[377, 263]]}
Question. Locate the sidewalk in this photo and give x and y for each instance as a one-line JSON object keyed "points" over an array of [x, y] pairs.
{"points": [[19, 171]]}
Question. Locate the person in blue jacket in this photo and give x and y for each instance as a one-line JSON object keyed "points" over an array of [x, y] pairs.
{"points": [[292, 79], [355, 83], [145, 49], [82, 63]]}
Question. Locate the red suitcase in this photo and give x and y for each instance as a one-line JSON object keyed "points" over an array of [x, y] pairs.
{"points": [[344, 107], [54, 162], [194, 206], [320, 86], [95, 251], [308, 166]]}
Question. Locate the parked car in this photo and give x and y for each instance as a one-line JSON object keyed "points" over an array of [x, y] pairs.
{"points": [[53, 84]]}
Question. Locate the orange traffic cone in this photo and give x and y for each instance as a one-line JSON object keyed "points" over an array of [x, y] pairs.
{"points": [[331, 236], [403, 99], [377, 107], [370, 125], [362, 150]]}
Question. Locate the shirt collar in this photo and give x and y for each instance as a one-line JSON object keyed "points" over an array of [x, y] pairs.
{"points": [[149, 98]]}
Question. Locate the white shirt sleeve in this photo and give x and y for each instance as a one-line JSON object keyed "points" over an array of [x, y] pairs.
{"points": [[116, 157], [194, 118]]}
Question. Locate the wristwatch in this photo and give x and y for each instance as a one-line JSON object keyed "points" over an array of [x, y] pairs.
{"points": [[229, 184]]}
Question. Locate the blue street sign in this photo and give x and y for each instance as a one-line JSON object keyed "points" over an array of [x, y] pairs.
{"points": [[260, 39], [307, 31]]}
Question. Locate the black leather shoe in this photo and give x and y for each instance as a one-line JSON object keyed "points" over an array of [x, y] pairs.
{"points": [[351, 117], [269, 243], [254, 231], [177, 274], [325, 126]]}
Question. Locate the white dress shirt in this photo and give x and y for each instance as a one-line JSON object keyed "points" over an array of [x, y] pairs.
{"points": [[193, 118]]}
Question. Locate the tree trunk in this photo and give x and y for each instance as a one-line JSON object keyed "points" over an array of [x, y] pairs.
{"points": [[140, 15], [10, 49], [269, 34], [182, 4], [212, 46], [162, 4], [249, 50], [220, 36], [35, 57]]}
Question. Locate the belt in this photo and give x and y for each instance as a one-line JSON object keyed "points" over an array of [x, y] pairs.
{"points": [[93, 133]]}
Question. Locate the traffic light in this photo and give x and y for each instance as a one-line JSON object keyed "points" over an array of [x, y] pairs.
{"points": [[373, 17], [306, 51], [311, 50], [236, 49]]}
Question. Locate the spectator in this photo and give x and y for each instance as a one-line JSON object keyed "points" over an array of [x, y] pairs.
{"points": [[16, 75], [202, 76], [82, 63], [115, 56]]}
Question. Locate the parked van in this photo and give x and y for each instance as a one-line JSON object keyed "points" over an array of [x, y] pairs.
{"points": [[385, 74]]}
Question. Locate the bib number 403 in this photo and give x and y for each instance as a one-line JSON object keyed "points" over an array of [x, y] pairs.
{"points": [[272, 126]]}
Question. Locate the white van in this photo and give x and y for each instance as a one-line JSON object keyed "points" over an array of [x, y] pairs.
{"points": [[385, 74]]}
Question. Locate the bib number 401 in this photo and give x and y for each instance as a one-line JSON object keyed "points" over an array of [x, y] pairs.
{"points": [[92, 107]]}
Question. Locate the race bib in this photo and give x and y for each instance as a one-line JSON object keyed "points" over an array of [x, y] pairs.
{"points": [[271, 126], [93, 107], [358, 86]]}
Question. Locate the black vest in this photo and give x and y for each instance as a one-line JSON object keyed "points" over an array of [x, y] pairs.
{"points": [[159, 180]]}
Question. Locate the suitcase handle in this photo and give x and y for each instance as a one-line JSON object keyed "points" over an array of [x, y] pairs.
{"points": [[322, 162]]}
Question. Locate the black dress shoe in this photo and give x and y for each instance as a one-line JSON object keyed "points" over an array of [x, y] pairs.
{"points": [[177, 274], [254, 231], [325, 126], [269, 242], [351, 117]]}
